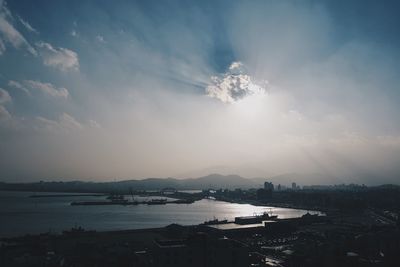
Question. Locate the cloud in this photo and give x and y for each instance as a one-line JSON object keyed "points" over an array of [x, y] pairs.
{"points": [[9, 33], [2, 47], [147, 88], [4, 96], [236, 66], [4, 114], [234, 85], [69, 122], [18, 85], [27, 25], [64, 123], [60, 58], [48, 89]]}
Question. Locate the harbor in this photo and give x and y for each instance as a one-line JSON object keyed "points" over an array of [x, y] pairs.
{"points": [[116, 199], [131, 203], [118, 216]]}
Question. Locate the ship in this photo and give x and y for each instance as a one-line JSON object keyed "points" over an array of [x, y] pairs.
{"points": [[215, 222], [157, 202], [117, 198], [255, 218], [183, 201], [114, 199]]}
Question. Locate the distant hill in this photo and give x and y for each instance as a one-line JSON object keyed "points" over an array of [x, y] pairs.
{"points": [[214, 181], [219, 181]]}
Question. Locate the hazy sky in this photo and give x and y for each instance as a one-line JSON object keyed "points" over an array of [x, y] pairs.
{"points": [[104, 90]]}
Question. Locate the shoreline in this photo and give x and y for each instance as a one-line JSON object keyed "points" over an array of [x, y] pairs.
{"points": [[277, 205]]}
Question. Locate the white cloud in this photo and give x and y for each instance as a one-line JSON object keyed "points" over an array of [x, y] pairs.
{"points": [[18, 85], [60, 58], [4, 114], [48, 89], [65, 123], [27, 25], [9, 33], [236, 66], [2, 47], [233, 85], [74, 33], [4, 96], [69, 122]]}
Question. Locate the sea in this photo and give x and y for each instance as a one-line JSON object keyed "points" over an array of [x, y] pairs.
{"points": [[21, 214]]}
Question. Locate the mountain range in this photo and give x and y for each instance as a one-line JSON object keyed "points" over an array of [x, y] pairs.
{"points": [[214, 181]]}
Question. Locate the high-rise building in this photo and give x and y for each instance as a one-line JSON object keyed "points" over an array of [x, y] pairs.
{"points": [[269, 186], [294, 186]]}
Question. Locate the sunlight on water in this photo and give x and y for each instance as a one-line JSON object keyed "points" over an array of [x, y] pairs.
{"points": [[56, 214]]}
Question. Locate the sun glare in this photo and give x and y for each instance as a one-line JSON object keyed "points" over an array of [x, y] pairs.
{"points": [[251, 106]]}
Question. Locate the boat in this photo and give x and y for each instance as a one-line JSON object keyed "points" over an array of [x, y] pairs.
{"points": [[113, 200], [183, 201], [255, 218], [157, 202], [215, 222], [116, 197], [99, 203]]}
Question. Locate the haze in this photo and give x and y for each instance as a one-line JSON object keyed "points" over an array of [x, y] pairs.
{"points": [[104, 90]]}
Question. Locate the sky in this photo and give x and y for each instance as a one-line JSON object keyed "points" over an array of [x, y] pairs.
{"points": [[112, 90]]}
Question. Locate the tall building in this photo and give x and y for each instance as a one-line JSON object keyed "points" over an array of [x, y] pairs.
{"points": [[294, 186], [269, 186]]}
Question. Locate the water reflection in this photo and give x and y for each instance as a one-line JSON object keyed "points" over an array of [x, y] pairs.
{"points": [[20, 214]]}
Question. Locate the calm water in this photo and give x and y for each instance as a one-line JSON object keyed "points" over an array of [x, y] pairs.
{"points": [[20, 214]]}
